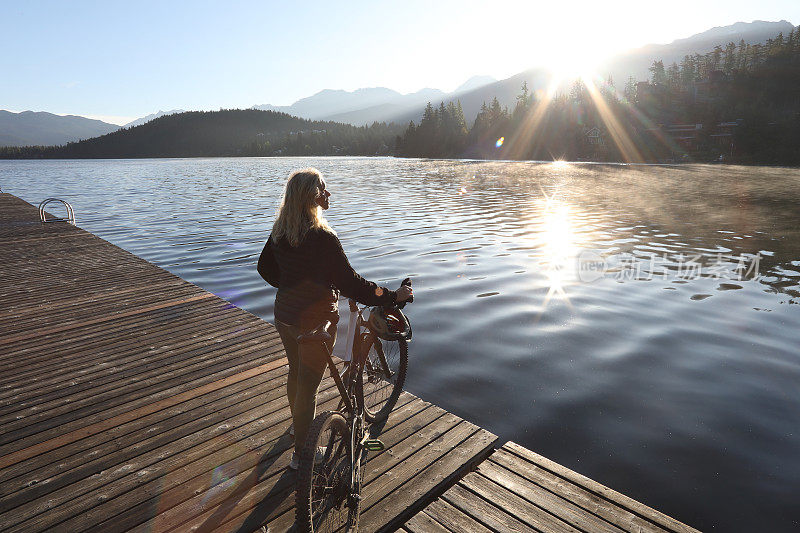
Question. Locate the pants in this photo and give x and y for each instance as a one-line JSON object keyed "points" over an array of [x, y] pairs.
{"points": [[307, 363]]}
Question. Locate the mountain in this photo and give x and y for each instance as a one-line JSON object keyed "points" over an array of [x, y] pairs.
{"points": [[409, 106], [232, 132], [636, 62], [388, 111], [475, 82], [331, 101], [30, 128], [151, 116], [506, 92], [350, 106]]}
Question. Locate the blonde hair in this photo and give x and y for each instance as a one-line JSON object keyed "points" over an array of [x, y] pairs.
{"points": [[299, 211]]}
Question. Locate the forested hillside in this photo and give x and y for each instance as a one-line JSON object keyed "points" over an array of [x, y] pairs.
{"points": [[225, 133], [738, 103]]}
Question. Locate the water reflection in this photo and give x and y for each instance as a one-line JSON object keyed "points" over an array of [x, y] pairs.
{"points": [[559, 248]]}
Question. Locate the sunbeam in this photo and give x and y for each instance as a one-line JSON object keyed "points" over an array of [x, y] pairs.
{"points": [[520, 143], [630, 153]]}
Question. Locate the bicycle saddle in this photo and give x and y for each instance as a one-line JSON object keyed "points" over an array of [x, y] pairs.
{"points": [[318, 334]]}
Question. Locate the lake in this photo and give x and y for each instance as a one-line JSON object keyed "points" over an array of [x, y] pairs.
{"points": [[638, 324]]}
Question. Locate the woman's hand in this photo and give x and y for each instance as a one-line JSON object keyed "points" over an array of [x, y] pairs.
{"points": [[404, 293]]}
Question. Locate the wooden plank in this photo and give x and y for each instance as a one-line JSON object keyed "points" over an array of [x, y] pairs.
{"points": [[45, 466], [242, 357], [104, 425], [117, 358], [66, 315], [97, 320], [159, 318], [205, 363], [380, 465], [92, 360], [570, 502], [423, 523], [620, 499], [104, 456], [111, 265], [115, 478], [117, 386], [474, 492], [24, 357], [217, 373], [453, 519], [62, 302], [197, 501], [179, 503], [22, 286], [496, 516], [71, 284], [271, 501], [121, 357], [153, 471], [425, 477]]}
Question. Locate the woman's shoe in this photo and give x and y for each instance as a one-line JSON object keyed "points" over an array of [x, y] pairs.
{"points": [[318, 458]]}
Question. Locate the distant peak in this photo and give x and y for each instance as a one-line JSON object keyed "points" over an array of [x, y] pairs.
{"points": [[739, 27], [475, 82]]}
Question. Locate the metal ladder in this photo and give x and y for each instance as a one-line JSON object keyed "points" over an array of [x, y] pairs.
{"points": [[70, 213]]}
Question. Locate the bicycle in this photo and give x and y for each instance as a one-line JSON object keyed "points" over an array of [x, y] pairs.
{"points": [[330, 471]]}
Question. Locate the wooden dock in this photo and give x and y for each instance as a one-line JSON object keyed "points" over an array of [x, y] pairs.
{"points": [[518, 490], [132, 400]]}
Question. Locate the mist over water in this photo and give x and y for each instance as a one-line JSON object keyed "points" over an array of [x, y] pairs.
{"points": [[638, 324]]}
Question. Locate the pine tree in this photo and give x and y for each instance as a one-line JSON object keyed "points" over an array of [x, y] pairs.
{"points": [[630, 90], [700, 70], [673, 77], [522, 98], [741, 59], [687, 70], [729, 58], [778, 44], [716, 56], [657, 74]]}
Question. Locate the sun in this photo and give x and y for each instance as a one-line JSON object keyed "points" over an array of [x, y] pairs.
{"points": [[570, 64]]}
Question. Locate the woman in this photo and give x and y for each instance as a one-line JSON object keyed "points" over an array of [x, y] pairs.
{"points": [[304, 259]]}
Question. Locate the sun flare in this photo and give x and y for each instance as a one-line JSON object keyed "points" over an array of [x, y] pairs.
{"points": [[570, 65], [556, 237]]}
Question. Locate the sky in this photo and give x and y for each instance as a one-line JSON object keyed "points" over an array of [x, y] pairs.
{"points": [[120, 60]]}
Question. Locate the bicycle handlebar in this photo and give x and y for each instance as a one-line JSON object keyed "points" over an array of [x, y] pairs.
{"points": [[406, 282]]}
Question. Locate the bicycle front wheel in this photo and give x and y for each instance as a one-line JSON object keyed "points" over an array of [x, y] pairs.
{"points": [[383, 376], [324, 476]]}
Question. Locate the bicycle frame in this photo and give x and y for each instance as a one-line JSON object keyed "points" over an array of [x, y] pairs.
{"points": [[349, 404], [356, 362]]}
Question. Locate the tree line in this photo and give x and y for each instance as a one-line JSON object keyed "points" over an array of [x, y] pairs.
{"points": [[234, 132], [736, 103]]}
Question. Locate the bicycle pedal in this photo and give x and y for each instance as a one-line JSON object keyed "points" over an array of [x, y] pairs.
{"points": [[374, 445]]}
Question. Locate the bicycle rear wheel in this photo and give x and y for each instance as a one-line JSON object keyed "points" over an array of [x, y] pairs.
{"points": [[383, 376], [324, 476]]}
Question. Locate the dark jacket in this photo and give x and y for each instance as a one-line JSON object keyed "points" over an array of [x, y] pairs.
{"points": [[310, 277]]}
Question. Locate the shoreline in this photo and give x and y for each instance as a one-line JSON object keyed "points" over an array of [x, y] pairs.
{"points": [[454, 159]]}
